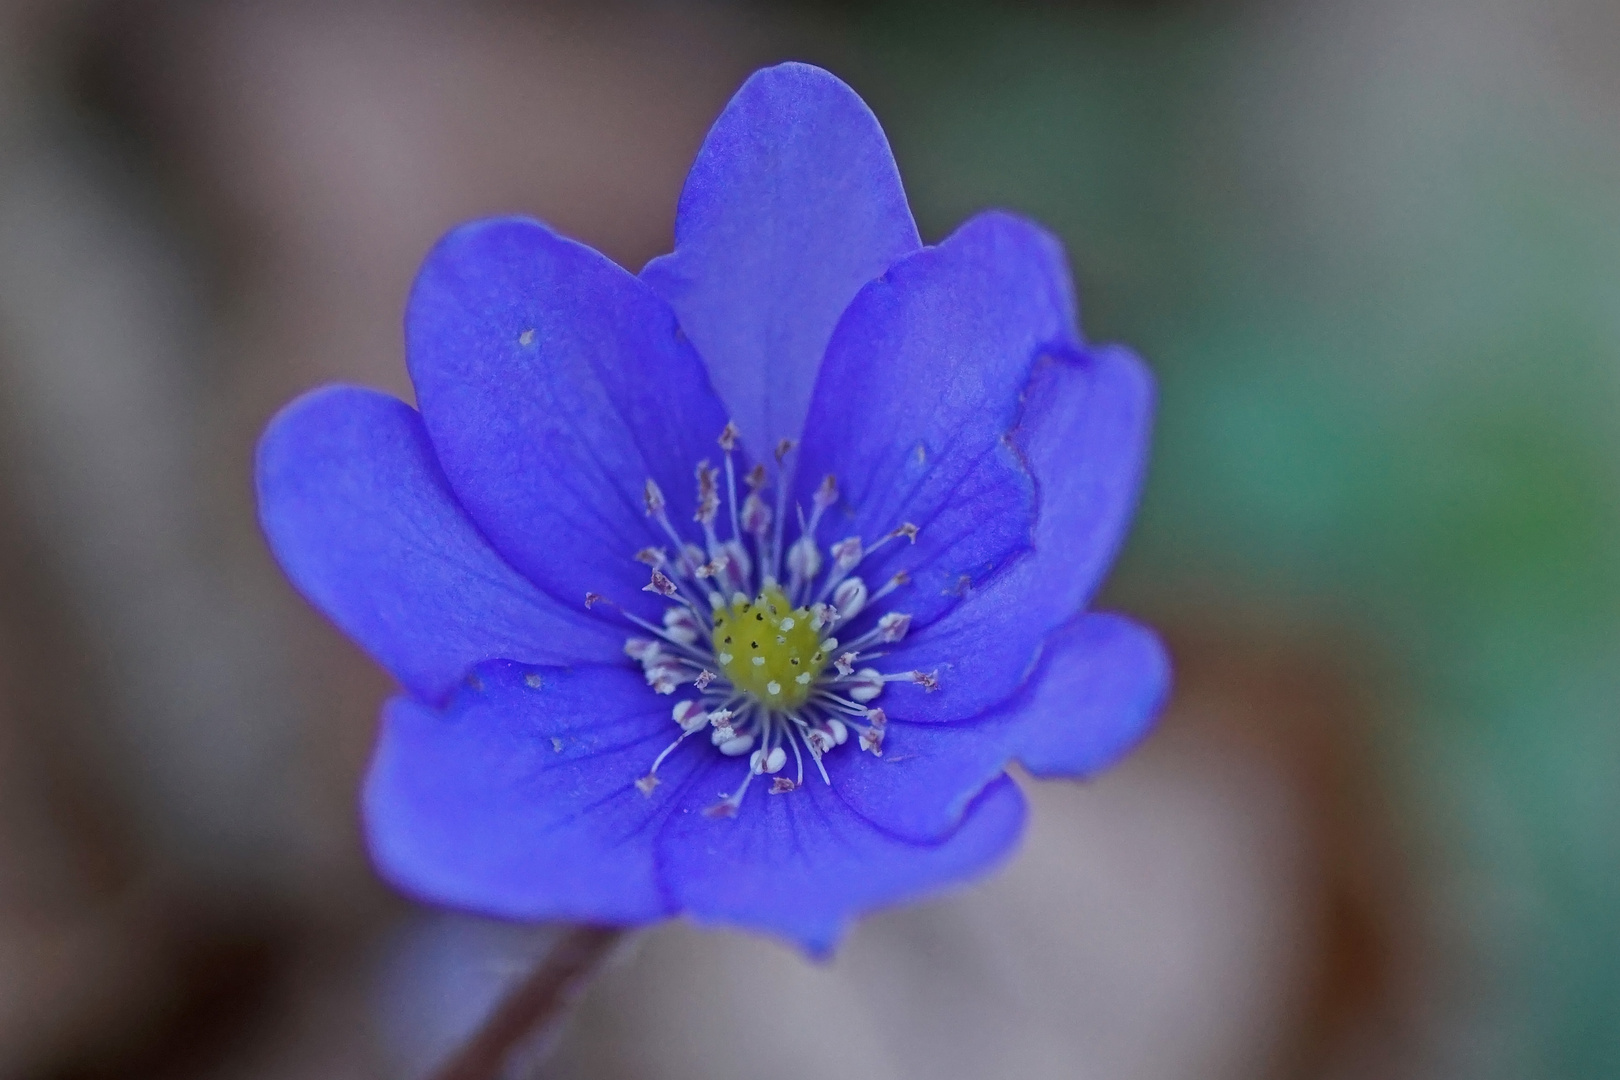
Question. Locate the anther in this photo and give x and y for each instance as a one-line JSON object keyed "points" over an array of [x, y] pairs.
{"points": [[850, 597], [782, 785], [737, 745], [928, 680], [653, 496], [681, 625], [804, 558], [822, 615], [826, 493], [845, 664], [755, 478], [847, 553], [756, 516], [641, 650], [690, 716], [708, 493], [783, 449], [659, 584], [770, 761], [908, 530], [893, 626], [728, 437], [838, 729], [704, 678], [652, 556], [868, 684], [646, 784], [872, 741]]}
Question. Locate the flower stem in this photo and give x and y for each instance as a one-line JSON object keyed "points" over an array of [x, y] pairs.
{"points": [[534, 1006]]}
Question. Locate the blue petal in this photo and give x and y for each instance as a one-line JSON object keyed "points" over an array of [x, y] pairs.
{"points": [[803, 865], [793, 204], [554, 385], [1084, 433], [359, 515], [919, 392], [519, 801], [1100, 683]]}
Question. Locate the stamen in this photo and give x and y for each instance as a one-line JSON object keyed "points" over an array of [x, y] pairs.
{"points": [[653, 496], [660, 584], [850, 597]]}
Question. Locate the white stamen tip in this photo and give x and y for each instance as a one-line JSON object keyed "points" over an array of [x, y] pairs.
{"points": [[868, 684], [840, 730], [641, 650], [804, 558], [773, 688], [850, 597], [737, 745], [724, 658], [690, 715], [847, 552], [681, 625], [759, 661], [771, 762], [893, 626], [785, 624], [908, 530], [802, 678]]}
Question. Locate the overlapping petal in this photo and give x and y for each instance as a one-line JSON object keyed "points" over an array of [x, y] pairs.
{"points": [[554, 385], [793, 204], [802, 867], [916, 400], [359, 515], [519, 800], [1087, 415], [1100, 683]]}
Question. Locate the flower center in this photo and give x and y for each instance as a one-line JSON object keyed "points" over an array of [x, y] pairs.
{"points": [[769, 649], [769, 680]]}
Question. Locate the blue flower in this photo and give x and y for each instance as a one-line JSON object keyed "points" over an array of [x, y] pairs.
{"points": [[729, 590]]}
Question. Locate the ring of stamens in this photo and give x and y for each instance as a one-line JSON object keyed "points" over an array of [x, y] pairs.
{"points": [[750, 629]]}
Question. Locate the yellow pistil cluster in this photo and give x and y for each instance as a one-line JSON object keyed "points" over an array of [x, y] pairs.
{"points": [[768, 648]]}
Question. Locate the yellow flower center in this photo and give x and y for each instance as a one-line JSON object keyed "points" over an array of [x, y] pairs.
{"points": [[769, 649]]}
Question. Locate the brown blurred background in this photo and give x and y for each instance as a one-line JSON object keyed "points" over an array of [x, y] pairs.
{"points": [[1372, 249]]}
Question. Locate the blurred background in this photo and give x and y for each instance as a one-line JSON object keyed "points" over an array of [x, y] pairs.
{"points": [[1372, 250]]}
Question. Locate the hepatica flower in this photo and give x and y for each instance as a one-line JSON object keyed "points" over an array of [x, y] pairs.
{"points": [[730, 589]]}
